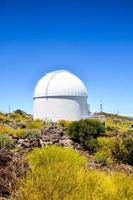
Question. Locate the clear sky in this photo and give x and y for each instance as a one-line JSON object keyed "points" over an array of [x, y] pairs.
{"points": [[93, 39]]}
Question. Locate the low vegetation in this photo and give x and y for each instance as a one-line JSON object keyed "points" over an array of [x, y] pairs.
{"points": [[61, 173], [6, 142], [32, 134], [86, 132], [58, 173], [21, 125], [117, 125], [34, 124]]}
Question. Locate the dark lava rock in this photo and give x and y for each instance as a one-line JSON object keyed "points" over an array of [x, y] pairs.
{"points": [[5, 157], [11, 167]]}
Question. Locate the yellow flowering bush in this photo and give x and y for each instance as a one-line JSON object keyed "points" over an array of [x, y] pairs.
{"points": [[59, 173], [120, 126]]}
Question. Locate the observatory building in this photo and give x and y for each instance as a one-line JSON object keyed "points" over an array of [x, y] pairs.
{"points": [[60, 95]]}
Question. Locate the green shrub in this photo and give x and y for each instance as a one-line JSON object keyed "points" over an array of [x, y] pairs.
{"points": [[124, 150], [64, 123], [128, 154], [6, 130], [15, 116], [18, 116], [60, 174], [111, 150], [92, 144], [20, 132], [6, 142], [22, 113], [34, 124], [2, 117], [106, 148], [12, 132], [33, 134], [117, 125], [85, 132]]}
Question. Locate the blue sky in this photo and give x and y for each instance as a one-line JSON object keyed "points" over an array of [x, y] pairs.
{"points": [[92, 39]]}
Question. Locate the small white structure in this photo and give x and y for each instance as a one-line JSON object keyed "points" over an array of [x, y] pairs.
{"points": [[60, 95]]}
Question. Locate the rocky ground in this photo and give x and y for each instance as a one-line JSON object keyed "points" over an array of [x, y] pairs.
{"points": [[12, 166], [54, 135]]}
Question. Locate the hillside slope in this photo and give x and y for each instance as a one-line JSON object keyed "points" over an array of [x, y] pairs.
{"points": [[107, 146]]}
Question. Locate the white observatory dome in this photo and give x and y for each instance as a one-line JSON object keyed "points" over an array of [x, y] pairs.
{"points": [[60, 83], [60, 95]]}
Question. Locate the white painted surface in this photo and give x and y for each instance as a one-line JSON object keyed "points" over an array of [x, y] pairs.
{"points": [[60, 95], [60, 83]]}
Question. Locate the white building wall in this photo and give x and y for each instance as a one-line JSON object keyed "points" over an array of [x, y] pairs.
{"points": [[57, 108]]}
